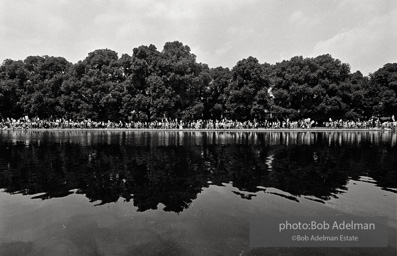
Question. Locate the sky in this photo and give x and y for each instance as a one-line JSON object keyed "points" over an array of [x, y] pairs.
{"points": [[362, 33]]}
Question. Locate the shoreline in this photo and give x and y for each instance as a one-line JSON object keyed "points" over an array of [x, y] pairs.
{"points": [[318, 129]]}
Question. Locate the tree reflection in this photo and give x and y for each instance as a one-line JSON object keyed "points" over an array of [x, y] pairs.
{"points": [[148, 169]]}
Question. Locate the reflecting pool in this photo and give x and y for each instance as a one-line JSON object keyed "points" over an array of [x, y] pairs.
{"points": [[185, 193]]}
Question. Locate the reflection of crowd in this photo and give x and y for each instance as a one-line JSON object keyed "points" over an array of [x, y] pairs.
{"points": [[36, 123]]}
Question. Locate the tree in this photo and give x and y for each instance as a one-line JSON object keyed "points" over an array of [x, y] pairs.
{"points": [[383, 88], [181, 75], [13, 76], [318, 88], [46, 75], [152, 84], [144, 87], [99, 94], [214, 93], [247, 93]]}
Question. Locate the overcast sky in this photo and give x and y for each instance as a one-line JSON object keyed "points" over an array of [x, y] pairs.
{"points": [[362, 33]]}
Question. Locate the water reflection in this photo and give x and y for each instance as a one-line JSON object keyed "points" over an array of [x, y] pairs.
{"points": [[164, 138], [172, 168]]}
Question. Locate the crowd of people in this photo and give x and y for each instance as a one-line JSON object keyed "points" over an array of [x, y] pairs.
{"points": [[371, 123], [37, 123]]}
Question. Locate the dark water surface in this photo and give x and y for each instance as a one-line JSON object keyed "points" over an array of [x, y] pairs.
{"points": [[185, 193]]}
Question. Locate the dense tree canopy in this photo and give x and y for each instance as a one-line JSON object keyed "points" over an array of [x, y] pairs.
{"points": [[152, 85], [247, 94]]}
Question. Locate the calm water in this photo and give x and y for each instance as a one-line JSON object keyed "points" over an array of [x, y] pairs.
{"points": [[185, 193]]}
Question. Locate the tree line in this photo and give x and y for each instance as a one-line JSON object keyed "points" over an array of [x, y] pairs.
{"points": [[152, 85]]}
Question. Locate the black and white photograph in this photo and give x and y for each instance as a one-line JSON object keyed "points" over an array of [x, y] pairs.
{"points": [[198, 127]]}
